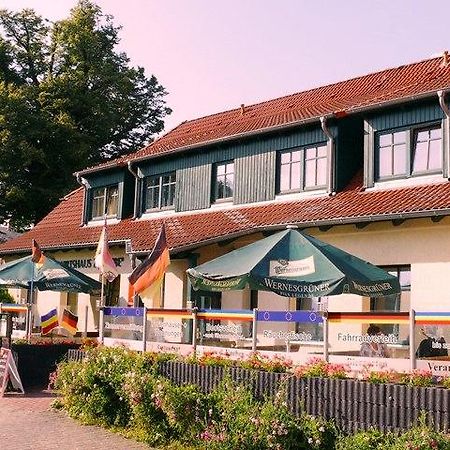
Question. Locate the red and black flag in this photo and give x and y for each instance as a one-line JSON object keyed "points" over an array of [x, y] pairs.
{"points": [[69, 321], [36, 253], [148, 277]]}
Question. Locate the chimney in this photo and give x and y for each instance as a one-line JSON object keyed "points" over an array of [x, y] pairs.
{"points": [[242, 109], [445, 59]]}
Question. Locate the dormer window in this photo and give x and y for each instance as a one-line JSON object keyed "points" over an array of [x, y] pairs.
{"points": [[105, 202], [411, 152], [302, 169], [159, 192], [223, 182]]}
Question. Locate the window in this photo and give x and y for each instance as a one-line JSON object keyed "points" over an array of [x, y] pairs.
{"points": [[105, 201], [302, 169], [311, 304], [223, 184], [159, 191], [395, 302], [405, 153]]}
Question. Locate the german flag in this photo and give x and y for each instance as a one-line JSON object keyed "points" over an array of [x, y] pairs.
{"points": [[148, 277], [49, 321], [36, 253], [69, 321]]}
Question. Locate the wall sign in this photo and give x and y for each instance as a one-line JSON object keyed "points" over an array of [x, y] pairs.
{"points": [[88, 263]]}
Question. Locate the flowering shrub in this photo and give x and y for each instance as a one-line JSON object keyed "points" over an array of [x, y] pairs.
{"points": [[210, 359], [44, 340], [319, 433], [260, 362], [382, 376], [121, 388], [317, 367], [237, 420], [422, 378], [365, 440]]}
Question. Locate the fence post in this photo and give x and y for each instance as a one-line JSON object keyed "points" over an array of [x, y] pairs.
{"points": [[194, 329], [254, 329], [101, 324], [144, 331], [325, 335], [412, 339]]}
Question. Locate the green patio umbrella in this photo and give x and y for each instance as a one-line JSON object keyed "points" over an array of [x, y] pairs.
{"points": [[51, 275], [293, 264]]}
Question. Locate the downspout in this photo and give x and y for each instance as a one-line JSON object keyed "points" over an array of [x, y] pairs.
{"points": [[83, 182], [136, 189], [331, 183], [446, 133]]}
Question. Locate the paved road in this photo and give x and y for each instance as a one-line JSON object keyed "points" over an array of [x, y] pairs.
{"points": [[28, 423]]}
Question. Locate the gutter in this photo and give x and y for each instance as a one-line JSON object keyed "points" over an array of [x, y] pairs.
{"points": [[83, 182]]}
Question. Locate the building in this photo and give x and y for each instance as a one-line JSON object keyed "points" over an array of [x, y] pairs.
{"points": [[363, 164]]}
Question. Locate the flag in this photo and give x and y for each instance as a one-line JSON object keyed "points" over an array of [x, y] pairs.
{"points": [[36, 253], [49, 321], [69, 321], [147, 278], [103, 259]]}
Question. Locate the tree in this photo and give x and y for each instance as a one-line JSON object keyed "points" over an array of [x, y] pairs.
{"points": [[68, 100]]}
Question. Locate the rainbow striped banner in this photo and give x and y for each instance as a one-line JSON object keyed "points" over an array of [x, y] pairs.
{"points": [[225, 314], [369, 317], [170, 313], [432, 318], [12, 307]]}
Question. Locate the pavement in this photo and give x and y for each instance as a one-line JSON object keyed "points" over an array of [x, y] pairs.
{"points": [[27, 422]]}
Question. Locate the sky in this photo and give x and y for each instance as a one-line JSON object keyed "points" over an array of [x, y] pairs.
{"points": [[213, 56]]}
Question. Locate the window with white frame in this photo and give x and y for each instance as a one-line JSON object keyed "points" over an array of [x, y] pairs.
{"points": [[223, 181], [395, 302], [105, 202], [159, 191], [410, 152], [302, 169], [311, 304]]}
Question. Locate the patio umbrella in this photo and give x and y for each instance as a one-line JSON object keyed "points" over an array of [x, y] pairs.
{"points": [[293, 264], [51, 275]]}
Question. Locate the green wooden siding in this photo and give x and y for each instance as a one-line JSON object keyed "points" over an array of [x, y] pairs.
{"points": [[225, 152], [193, 188], [102, 179], [406, 116], [194, 168], [255, 178]]}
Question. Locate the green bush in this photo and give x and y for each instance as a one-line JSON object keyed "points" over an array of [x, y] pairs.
{"points": [[365, 440], [119, 388]]}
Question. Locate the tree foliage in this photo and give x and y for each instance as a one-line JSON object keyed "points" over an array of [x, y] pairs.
{"points": [[68, 100]]}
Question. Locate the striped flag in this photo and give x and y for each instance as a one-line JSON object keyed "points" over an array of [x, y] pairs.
{"points": [[49, 321], [103, 259], [69, 321], [148, 277], [36, 253]]}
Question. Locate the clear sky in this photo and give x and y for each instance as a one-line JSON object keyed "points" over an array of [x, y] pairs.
{"points": [[213, 55]]}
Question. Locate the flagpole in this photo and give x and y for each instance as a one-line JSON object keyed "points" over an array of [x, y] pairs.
{"points": [[102, 291], [30, 301]]}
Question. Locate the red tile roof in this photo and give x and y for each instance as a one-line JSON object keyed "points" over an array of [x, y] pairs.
{"points": [[61, 228], [424, 77]]}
